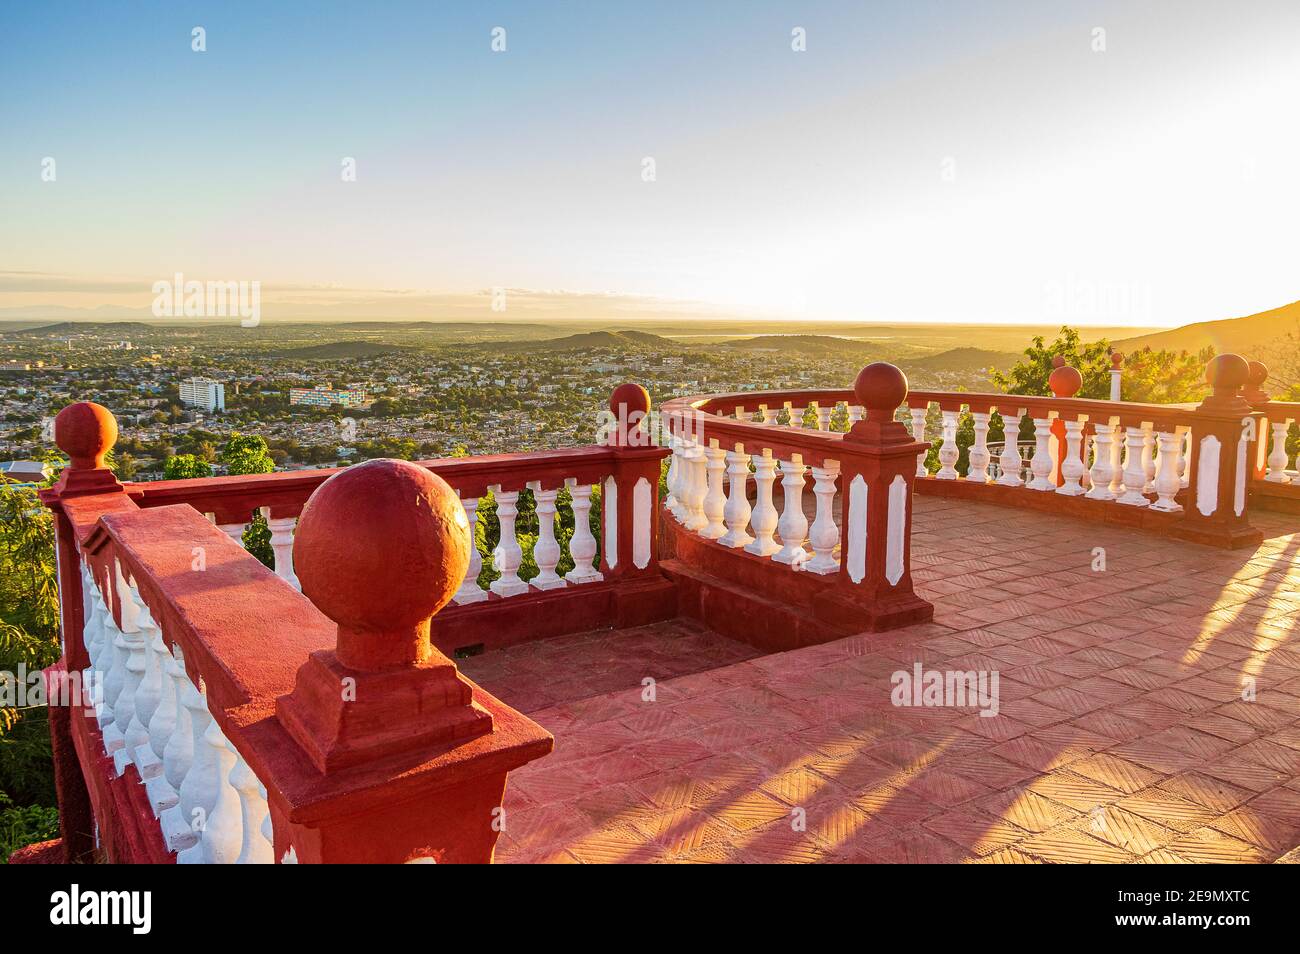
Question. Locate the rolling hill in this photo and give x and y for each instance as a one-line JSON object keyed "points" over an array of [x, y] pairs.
{"points": [[1251, 337], [341, 349], [806, 344], [592, 339], [961, 359]]}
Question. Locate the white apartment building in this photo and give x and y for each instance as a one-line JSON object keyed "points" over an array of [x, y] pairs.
{"points": [[203, 392]]}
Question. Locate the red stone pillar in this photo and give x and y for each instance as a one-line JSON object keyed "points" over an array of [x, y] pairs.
{"points": [[632, 549], [630, 498], [86, 432], [418, 754], [1215, 511], [877, 474]]}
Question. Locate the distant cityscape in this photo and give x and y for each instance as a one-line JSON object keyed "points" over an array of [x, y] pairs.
{"points": [[321, 397]]}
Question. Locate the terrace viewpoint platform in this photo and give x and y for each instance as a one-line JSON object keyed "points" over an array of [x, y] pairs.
{"points": [[711, 656], [1122, 734]]}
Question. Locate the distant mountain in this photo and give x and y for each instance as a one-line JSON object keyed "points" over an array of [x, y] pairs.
{"points": [[592, 339], [342, 349], [81, 327], [807, 344], [1251, 337], [961, 359]]}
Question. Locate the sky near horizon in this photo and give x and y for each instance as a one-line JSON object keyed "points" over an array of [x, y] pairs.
{"points": [[920, 161]]}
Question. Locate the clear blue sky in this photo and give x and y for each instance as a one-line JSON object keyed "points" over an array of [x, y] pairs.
{"points": [[920, 161]]}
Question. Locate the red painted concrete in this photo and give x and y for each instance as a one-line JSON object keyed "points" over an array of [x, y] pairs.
{"points": [[1121, 735]]}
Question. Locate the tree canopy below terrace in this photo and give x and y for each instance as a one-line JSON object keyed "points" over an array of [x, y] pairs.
{"points": [[1149, 376]]}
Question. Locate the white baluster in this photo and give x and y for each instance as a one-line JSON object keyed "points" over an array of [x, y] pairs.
{"points": [[918, 434], [133, 644], [796, 416], [1167, 481], [793, 526], [1116, 459], [198, 790], [1041, 464], [178, 753], [1072, 466], [546, 551], [1278, 459], [673, 501], [948, 452], [582, 546], [857, 413], [93, 635], [770, 414], [113, 661], [507, 557], [737, 510], [255, 848], [715, 499], [1009, 462], [221, 837], [978, 468], [470, 591], [1184, 459], [825, 535], [164, 725], [282, 546], [764, 519], [1134, 469], [824, 416], [1103, 437], [234, 530], [1149, 458], [740, 413], [148, 698], [697, 486]]}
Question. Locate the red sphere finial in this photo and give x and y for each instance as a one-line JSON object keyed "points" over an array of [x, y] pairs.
{"points": [[380, 547], [1116, 360], [1058, 361], [1256, 375], [1227, 373], [881, 388], [629, 404], [85, 431], [1064, 380]]}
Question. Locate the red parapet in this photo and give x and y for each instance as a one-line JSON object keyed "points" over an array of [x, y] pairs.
{"points": [[1223, 433], [369, 744]]}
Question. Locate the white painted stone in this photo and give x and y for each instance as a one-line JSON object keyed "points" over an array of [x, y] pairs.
{"points": [[1207, 476], [896, 530]]}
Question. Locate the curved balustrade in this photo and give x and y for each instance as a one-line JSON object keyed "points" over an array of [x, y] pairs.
{"points": [[1131, 462], [857, 537]]}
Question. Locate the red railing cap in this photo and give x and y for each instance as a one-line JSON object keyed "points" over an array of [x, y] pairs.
{"points": [[1227, 373], [880, 387], [1064, 380], [86, 432], [380, 548]]}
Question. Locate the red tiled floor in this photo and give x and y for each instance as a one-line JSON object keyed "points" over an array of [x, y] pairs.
{"points": [[1125, 731]]}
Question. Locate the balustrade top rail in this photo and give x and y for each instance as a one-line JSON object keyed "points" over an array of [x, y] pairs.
{"points": [[1129, 413], [288, 490]]}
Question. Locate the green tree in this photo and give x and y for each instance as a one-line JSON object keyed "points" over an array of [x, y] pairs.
{"points": [[184, 466], [257, 540], [29, 635], [1030, 375], [1149, 376], [246, 454]]}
